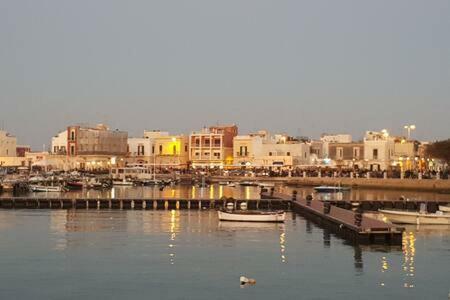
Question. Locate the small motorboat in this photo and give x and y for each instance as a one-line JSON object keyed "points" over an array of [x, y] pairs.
{"points": [[252, 216], [410, 217], [249, 183], [74, 185], [45, 188], [445, 208], [331, 189], [123, 182]]}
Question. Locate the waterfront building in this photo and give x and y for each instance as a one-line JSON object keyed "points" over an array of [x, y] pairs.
{"points": [[8, 144], [212, 147], [277, 151], [406, 154], [160, 149], [347, 155], [378, 150], [336, 138], [59, 143], [85, 147]]}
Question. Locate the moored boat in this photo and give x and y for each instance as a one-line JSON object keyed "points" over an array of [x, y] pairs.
{"points": [[45, 188], [74, 185], [123, 182], [249, 183], [252, 216], [444, 208], [331, 189], [408, 217]]}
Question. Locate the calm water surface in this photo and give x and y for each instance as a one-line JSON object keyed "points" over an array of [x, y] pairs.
{"points": [[83, 254]]}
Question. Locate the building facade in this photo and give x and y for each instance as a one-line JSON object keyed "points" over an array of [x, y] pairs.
{"points": [[8, 144], [378, 150], [347, 155], [212, 147]]}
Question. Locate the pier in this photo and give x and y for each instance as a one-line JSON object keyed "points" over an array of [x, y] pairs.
{"points": [[349, 224], [133, 203]]}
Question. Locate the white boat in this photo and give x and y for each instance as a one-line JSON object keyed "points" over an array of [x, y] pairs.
{"points": [[331, 189], [252, 216], [444, 208], [44, 188], [231, 184], [407, 217], [267, 185], [123, 182], [249, 183]]}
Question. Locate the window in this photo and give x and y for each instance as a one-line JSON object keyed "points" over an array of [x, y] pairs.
{"points": [[197, 142], [356, 152], [153, 149], [339, 153], [72, 150], [270, 153], [375, 153], [72, 135], [174, 149], [288, 153], [207, 142], [185, 148], [216, 142], [160, 149], [197, 153], [217, 155]]}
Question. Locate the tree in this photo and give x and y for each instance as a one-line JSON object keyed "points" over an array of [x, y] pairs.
{"points": [[439, 150]]}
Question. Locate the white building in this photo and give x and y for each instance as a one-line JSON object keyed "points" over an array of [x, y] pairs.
{"points": [[378, 150], [59, 143], [8, 144], [336, 138]]}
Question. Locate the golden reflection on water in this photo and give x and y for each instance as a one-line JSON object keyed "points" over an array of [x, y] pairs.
{"points": [[211, 192], [409, 253], [58, 226], [173, 229], [282, 244]]}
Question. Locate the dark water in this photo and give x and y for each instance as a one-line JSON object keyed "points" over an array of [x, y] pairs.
{"points": [[105, 254]]}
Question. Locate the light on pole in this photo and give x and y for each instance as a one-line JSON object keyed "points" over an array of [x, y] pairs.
{"points": [[409, 128]]}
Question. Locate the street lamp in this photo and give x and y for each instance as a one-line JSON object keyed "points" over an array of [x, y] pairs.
{"points": [[409, 128]]}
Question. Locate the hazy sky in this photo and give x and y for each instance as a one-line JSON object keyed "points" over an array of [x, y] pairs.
{"points": [[301, 67]]}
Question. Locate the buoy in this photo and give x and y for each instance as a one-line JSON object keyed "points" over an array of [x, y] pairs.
{"points": [[230, 205], [243, 205], [244, 281]]}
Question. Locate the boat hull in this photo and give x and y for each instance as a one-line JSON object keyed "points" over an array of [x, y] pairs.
{"points": [[415, 218], [46, 189], [242, 217], [445, 209], [331, 189]]}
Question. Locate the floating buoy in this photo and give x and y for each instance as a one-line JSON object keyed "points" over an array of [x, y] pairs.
{"points": [[230, 205], [244, 281], [244, 205]]}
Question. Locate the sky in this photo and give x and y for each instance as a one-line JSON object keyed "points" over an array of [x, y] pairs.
{"points": [[298, 67]]}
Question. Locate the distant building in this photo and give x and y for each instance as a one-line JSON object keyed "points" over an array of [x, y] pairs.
{"points": [[8, 144], [97, 140], [212, 147], [336, 138], [59, 143], [21, 150], [278, 151], [160, 149], [348, 155], [378, 150]]}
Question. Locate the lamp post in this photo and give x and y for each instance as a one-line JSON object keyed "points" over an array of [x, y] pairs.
{"points": [[409, 128]]}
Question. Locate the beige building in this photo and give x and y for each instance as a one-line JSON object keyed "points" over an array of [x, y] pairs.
{"points": [[212, 147], [160, 149], [378, 150], [261, 150], [8, 144]]}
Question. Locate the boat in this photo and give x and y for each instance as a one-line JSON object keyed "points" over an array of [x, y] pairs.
{"points": [[123, 182], [252, 216], [409, 217], [231, 184], [249, 183], [74, 185], [444, 208], [331, 189], [267, 185], [45, 188], [224, 182]]}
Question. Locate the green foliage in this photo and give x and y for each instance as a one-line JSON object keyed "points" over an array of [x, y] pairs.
{"points": [[439, 150]]}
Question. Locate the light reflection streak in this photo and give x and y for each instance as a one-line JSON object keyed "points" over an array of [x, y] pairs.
{"points": [[409, 253], [283, 244], [173, 229]]}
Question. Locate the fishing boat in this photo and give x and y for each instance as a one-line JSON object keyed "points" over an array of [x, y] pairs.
{"points": [[252, 216], [331, 189], [408, 217], [45, 188]]}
